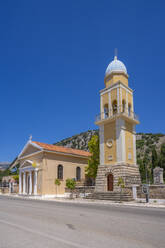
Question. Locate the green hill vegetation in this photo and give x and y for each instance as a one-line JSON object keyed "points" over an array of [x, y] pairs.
{"points": [[150, 149]]}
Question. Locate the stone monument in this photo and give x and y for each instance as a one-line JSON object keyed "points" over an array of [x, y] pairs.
{"points": [[158, 175]]}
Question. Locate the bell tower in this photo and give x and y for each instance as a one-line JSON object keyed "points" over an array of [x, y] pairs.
{"points": [[116, 121]]}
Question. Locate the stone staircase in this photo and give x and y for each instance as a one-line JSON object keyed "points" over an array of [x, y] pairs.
{"points": [[110, 196]]}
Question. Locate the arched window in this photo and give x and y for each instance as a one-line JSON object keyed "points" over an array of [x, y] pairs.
{"points": [[60, 171], [129, 109], [123, 106], [78, 173], [114, 107], [106, 111]]}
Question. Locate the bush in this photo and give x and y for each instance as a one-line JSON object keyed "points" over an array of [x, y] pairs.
{"points": [[71, 184], [16, 178]]}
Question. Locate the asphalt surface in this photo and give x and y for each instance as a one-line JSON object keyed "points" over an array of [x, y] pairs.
{"points": [[38, 224]]}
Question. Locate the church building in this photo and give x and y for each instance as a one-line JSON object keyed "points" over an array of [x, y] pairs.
{"points": [[117, 121], [41, 164]]}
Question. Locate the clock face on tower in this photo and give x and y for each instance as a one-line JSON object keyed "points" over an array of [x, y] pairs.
{"points": [[109, 143]]}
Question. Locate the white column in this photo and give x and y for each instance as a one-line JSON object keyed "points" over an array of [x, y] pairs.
{"points": [[101, 108], [121, 106], [132, 104], [30, 181], [20, 182], [134, 144], [101, 134], [134, 191], [120, 141], [35, 182], [118, 101], [127, 102], [9, 187], [24, 183], [110, 104]]}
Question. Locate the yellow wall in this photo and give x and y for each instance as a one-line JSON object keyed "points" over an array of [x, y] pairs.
{"points": [[129, 142], [130, 99], [114, 78], [110, 133], [49, 171], [104, 101]]}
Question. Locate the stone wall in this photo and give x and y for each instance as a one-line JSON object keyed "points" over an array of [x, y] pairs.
{"points": [[129, 173], [155, 192], [79, 191]]}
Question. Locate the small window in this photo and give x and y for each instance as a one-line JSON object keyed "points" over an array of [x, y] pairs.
{"points": [[123, 106], [106, 111], [78, 173], [60, 171], [114, 107], [129, 109]]}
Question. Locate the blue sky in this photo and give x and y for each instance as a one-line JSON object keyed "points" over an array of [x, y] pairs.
{"points": [[53, 56]]}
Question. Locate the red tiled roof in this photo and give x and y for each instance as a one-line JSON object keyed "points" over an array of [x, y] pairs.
{"points": [[62, 149]]}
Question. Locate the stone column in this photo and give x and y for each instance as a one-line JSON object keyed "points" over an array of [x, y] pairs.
{"points": [[30, 181], [24, 183], [134, 191], [9, 187], [20, 182], [35, 182]]}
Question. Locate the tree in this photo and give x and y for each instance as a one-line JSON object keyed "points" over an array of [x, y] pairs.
{"points": [[141, 169], [57, 183], [16, 178], [71, 184], [162, 158], [154, 160], [121, 184], [147, 167], [93, 162]]}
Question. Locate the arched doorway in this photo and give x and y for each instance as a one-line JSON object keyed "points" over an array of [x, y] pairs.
{"points": [[110, 182]]}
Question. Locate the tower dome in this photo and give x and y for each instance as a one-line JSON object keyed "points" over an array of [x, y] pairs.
{"points": [[116, 66]]}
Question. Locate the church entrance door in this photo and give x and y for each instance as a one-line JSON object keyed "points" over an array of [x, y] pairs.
{"points": [[110, 182]]}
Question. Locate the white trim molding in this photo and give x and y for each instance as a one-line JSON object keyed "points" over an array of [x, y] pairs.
{"points": [[134, 145], [118, 100], [26, 146], [110, 103], [106, 90], [120, 141], [101, 134]]}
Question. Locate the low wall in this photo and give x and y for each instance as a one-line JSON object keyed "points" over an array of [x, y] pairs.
{"points": [[7, 190], [81, 190], [4, 190], [155, 192]]}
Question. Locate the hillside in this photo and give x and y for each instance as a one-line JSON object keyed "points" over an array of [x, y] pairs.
{"points": [[4, 166], [144, 142]]}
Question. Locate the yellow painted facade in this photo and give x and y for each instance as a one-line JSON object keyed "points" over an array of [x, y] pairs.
{"points": [[115, 78], [110, 134], [49, 172], [129, 142], [46, 165]]}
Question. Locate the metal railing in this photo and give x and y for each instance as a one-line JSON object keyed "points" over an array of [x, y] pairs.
{"points": [[116, 111]]}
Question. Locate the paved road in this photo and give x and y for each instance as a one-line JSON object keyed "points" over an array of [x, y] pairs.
{"points": [[38, 224]]}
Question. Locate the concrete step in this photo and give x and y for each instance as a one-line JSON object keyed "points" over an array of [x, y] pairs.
{"points": [[111, 196]]}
